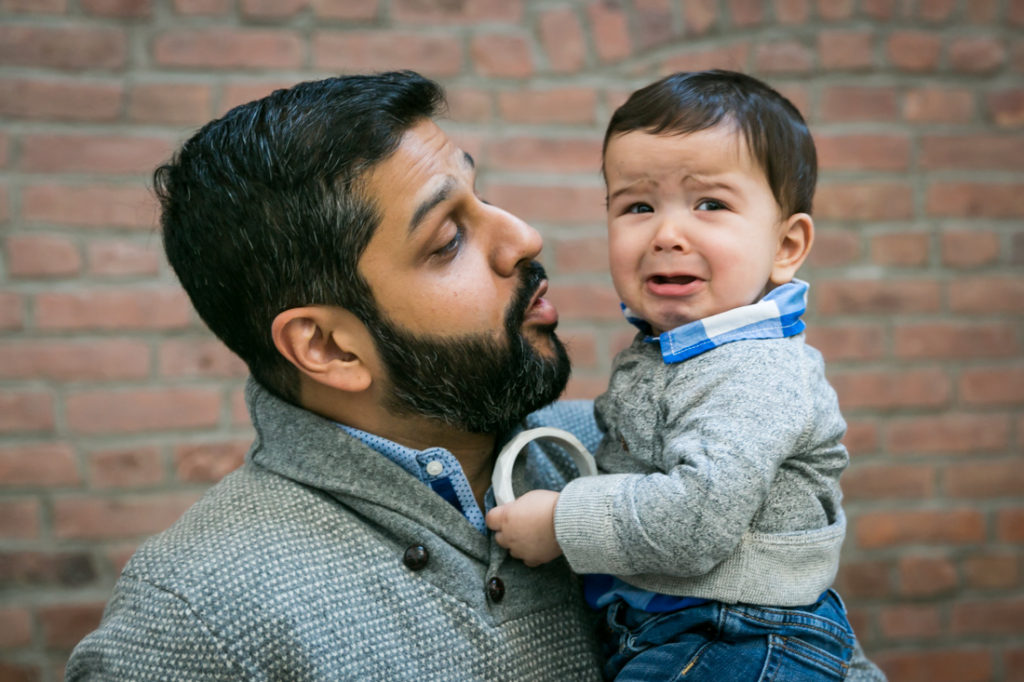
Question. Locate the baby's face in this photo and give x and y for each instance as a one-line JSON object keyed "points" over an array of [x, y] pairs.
{"points": [[693, 227]]}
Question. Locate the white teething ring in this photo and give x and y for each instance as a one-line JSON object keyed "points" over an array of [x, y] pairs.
{"points": [[501, 480]]}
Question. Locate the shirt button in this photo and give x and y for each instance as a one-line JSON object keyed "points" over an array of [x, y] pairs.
{"points": [[434, 468], [416, 557], [495, 589]]}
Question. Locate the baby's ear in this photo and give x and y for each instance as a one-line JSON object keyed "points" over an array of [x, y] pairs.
{"points": [[795, 239], [327, 344]]}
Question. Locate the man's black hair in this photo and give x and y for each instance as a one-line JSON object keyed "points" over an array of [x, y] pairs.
{"points": [[263, 209], [775, 132]]}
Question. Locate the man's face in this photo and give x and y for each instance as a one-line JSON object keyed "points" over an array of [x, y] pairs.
{"points": [[463, 329]]}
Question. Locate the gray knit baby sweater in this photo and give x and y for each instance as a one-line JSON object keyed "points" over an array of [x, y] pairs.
{"points": [[298, 567]]}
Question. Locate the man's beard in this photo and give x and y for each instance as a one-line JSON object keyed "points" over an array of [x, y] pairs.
{"points": [[477, 383]]}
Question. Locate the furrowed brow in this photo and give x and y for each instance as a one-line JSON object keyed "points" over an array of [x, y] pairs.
{"points": [[442, 193]]}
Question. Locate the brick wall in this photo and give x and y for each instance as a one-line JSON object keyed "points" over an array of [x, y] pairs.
{"points": [[117, 408]]}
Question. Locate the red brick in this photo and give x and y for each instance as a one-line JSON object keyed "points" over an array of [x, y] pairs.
{"points": [[585, 254], [995, 386], [986, 479], [459, 12], [788, 56], [239, 410], [272, 9], [914, 50], [1013, 664], [1010, 525], [935, 10], [792, 11], [948, 433], [42, 256], [202, 7], [982, 11], [113, 309], [19, 519], [130, 9], [976, 152], [433, 55], [111, 154], [863, 152], [735, 57], [922, 576], [904, 249], [699, 15], [652, 23], [955, 340], [861, 437], [586, 302], [69, 48], [235, 94], [848, 342], [65, 625], [835, 10], [969, 248], [467, 105], [35, 6], [977, 55], [546, 155], [25, 411], [910, 622], [866, 200], [347, 10], [864, 579], [90, 205], [1005, 616], [945, 665], [582, 347], [835, 247], [892, 389], [208, 462], [1015, 12], [585, 388], [550, 203], [229, 48], [92, 518], [15, 627], [118, 258], [11, 310], [126, 468], [100, 359], [992, 294], [746, 13], [61, 100], [562, 37], [33, 569], [992, 571], [851, 297], [900, 528], [609, 29], [1017, 249], [939, 106], [170, 103], [859, 103], [38, 464], [846, 50], [1006, 108], [199, 358], [888, 481], [5, 149], [500, 55], [137, 411]]}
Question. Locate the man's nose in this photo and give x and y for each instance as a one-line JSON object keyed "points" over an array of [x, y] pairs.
{"points": [[512, 241]]}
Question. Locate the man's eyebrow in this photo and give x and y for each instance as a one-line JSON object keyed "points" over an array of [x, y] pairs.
{"points": [[442, 193]]}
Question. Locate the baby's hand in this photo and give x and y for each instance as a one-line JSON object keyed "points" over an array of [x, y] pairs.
{"points": [[526, 527]]}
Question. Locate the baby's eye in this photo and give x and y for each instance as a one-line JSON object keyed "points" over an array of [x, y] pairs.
{"points": [[710, 205], [639, 207]]}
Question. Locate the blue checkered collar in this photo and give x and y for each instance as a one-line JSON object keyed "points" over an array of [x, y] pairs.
{"points": [[775, 316]]}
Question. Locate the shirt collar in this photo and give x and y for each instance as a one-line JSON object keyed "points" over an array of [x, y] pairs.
{"points": [[775, 316]]}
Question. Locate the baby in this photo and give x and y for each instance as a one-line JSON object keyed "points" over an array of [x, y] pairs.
{"points": [[713, 538]]}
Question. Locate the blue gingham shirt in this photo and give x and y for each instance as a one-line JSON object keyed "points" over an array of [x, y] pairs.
{"points": [[775, 316], [435, 467]]}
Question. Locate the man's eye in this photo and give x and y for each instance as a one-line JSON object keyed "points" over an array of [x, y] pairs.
{"points": [[453, 244], [710, 205], [639, 207]]}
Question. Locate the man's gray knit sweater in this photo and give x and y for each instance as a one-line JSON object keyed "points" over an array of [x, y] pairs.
{"points": [[321, 560], [723, 476]]}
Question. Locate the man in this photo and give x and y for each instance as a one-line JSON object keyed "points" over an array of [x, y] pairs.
{"points": [[395, 328]]}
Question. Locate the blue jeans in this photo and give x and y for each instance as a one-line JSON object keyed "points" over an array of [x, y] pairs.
{"points": [[736, 642]]}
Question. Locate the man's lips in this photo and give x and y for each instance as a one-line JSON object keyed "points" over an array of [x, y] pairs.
{"points": [[673, 284], [541, 311]]}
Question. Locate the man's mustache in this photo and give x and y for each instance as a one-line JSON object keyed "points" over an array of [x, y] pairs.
{"points": [[531, 276]]}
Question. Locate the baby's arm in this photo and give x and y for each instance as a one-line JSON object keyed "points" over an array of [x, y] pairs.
{"points": [[526, 527]]}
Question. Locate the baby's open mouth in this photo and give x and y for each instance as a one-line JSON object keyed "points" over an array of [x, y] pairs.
{"points": [[679, 279]]}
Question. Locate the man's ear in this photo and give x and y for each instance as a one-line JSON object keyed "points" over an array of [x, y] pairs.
{"points": [[795, 241], [327, 344]]}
